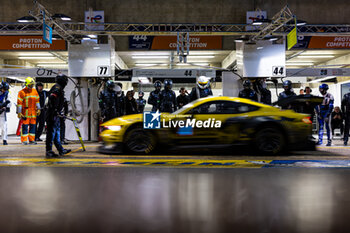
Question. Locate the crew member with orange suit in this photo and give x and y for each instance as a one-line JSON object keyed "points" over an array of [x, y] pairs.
{"points": [[28, 108]]}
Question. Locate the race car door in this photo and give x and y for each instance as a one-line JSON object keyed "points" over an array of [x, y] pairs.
{"points": [[213, 116]]}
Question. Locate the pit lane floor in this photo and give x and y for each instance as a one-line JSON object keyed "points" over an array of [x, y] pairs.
{"points": [[202, 192]]}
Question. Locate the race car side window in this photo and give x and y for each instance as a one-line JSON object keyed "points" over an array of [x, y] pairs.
{"points": [[223, 107]]}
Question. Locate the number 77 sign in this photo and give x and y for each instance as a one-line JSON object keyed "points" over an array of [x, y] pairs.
{"points": [[103, 71]]}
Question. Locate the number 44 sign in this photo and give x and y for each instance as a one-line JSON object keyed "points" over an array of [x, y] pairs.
{"points": [[103, 71], [278, 71]]}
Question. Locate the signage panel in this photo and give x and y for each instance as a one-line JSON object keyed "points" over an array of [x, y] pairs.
{"points": [[32, 43], [138, 42]]}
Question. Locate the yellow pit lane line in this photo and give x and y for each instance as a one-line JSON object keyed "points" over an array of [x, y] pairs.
{"points": [[190, 163]]}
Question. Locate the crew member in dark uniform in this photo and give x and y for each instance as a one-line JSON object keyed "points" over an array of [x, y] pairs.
{"points": [[120, 101], [40, 120], [168, 97], [201, 90], [345, 106], [130, 103], [287, 93], [55, 106], [5, 105], [248, 92], [183, 98], [107, 102], [153, 98], [141, 102]]}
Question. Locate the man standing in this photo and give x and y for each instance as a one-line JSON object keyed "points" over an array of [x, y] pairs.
{"points": [[107, 102], [308, 107], [130, 103], [202, 89], [167, 97], [28, 108], [120, 101], [140, 102], [324, 111], [55, 106], [345, 106], [287, 93], [153, 98], [40, 121], [183, 98], [248, 92], [5, 105]]}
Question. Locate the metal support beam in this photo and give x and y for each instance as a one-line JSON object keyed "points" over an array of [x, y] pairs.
{"points": [[278, 20], [122, 29], [58, 27]]}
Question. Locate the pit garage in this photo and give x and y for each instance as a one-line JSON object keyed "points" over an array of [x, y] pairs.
{"points": [[175, 116]]}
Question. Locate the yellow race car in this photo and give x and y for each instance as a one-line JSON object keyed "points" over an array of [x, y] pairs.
{"points": [[225, 121]]}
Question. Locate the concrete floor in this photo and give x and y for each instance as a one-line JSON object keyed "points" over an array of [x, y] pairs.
{"points": [[198, 191]]}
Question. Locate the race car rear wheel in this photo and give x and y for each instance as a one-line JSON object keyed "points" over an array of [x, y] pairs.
{"points": [[269, 141], [139, 141]]}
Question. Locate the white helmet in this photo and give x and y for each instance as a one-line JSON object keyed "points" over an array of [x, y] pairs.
{"points": [[203, 82], [118, 90]]}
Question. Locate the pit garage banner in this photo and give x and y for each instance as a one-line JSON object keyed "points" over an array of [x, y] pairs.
{"points": [[253, 16], [32, 72], [141, 42], [31, 43], [94, 17], [323, 42]]}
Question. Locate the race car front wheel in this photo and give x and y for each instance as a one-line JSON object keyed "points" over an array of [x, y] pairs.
{"points": [[139, 141], [269, 141]]}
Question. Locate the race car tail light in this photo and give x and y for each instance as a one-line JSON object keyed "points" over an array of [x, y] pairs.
{"points": [[307, 120]]}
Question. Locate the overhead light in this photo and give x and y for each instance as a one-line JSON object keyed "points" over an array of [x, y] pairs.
{"points": [[271, 38], [193, 64], [321, 79], [52, 65], [314, 56], [260, 22], [36, 58], [150, 64], [159, 61], [300, 64], [208, 56], [241, 39], [150, 53], [201, 64], [26, 19], [31, 54], [51, 62], [259, 48], [299, 22], [150, 57], [61, 17], [92, 36], [202, 53]]}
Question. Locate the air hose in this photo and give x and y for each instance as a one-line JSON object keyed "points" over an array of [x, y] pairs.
{"points": [[82, 112]]}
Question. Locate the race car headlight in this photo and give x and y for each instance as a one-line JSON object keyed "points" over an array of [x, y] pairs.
{"points": [[114, 127]]}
